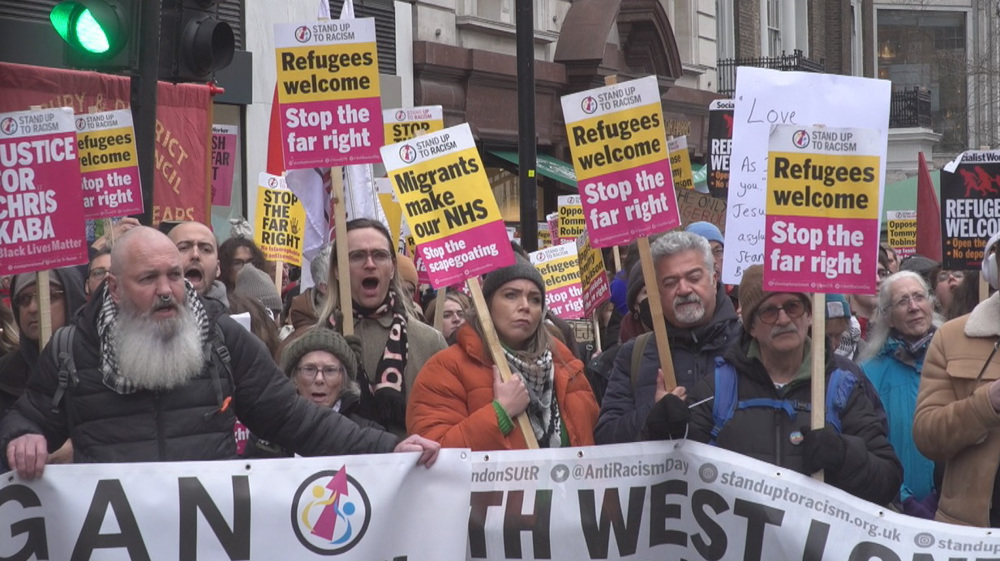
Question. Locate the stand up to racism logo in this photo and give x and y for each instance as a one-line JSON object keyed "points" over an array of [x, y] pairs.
{"points": [[330, 512]]}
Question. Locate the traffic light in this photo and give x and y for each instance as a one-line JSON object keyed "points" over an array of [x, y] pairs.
{"points": [[194, 43], [99, 34]]}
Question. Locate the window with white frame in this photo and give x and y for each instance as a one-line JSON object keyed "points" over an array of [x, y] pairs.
{"points": [[772, 42]]}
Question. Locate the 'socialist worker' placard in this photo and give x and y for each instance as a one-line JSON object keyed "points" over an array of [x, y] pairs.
{"points": [[441, 182], [404, 124], [571, 222], [328, 91], [620, 156], [41, 207], [280, 221], [108, 164], [970, 208], [720, 141], [593, 275], [822, 210], [224, 139], [561, 272]]}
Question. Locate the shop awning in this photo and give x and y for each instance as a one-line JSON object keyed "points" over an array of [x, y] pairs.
{"points": [[547, 166], [902, 195]]}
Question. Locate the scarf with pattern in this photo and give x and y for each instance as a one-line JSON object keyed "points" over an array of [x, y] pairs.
{"points": [[107, 318], [543, 409], [389, 388]]}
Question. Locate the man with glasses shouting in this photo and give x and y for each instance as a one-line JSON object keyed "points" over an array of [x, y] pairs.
{"points": [[758, 402]]}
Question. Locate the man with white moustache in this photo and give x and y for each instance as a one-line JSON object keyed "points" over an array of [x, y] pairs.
{"points": [[701, 325], [161, 374]]}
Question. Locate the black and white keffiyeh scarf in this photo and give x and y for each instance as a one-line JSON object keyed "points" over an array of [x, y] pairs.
{"points": [[107, 319], [543, 409]]}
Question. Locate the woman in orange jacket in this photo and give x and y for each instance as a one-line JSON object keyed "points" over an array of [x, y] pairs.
{"points": [[459, 400]]}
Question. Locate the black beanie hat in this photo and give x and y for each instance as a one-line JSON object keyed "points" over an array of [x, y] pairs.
{"points": [[521, 269], [635, 283]]}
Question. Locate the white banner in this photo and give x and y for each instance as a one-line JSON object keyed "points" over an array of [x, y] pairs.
{"points": [[369, 508], [660, 500]]}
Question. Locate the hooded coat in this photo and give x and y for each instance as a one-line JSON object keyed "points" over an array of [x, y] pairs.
{"points": [[17, 366]]}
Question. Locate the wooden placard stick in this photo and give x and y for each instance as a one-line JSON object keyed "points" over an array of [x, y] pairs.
{"points": [[279, 270], [818, 416], [439, 308], [43, 295], [597, 332], [343, 263], [483, 313], [659, 323]]}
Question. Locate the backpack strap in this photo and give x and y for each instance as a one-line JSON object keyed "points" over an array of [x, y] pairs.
{"points": [[725, 396], [637, 351], [838, 391], [62, 350], [217, 354]]}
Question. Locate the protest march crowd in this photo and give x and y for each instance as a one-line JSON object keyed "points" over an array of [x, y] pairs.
{"points": [[155, 369]]}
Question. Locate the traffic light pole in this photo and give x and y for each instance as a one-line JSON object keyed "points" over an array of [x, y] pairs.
{"points": [[527, 154], [143, 101]]}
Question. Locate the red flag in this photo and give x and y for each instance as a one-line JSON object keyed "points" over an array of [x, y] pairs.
{"points": [[275, 155], [928, 214]]}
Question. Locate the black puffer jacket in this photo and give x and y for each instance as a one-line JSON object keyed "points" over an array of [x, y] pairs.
{"points": [[693, 352], [871, 470], [185, 423]]}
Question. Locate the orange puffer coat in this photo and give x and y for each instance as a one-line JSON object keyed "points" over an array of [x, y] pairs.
{"points": [[452, 399]]}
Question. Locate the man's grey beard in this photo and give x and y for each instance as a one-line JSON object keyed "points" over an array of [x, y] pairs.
{"points": [[689, 315], [157, 354]]}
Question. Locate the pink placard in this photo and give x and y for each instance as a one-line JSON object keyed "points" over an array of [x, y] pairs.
{"points": [[224, 140], [41, 218], [111, 193], [467, 254], [832, 250], [565, 302], [332, 133], [623, 206]]}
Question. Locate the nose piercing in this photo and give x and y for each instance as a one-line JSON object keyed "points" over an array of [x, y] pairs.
{"points": [[165, 297]]}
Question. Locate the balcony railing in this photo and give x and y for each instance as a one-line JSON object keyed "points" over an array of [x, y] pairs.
{"points": [[794, 61], [910, 108]]}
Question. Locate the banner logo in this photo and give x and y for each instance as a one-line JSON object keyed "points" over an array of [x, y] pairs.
{"points": [[272, 182], [923, 539], [800, 138], [330, 512], [81, 123], [400, 115], [302, 34], [8, 126], [407, 153], [589, 105]]}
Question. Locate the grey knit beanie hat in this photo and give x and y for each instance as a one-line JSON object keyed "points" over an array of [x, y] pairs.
{"points": [[254, 283], [319, 339], [521, 269]]}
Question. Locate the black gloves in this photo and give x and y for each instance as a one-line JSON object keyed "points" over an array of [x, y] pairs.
{"points": [[822, 449], [668, 419]]}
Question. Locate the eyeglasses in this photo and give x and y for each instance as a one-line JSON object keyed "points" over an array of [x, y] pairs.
{"points": [[309, 371], [718, 251], [98, 274], [905, 302], [793, 309], [957, 275], [883, 273], [24, 300], [360, 256]]}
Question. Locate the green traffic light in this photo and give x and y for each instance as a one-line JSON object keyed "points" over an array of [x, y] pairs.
{"points": [[77, 25]]}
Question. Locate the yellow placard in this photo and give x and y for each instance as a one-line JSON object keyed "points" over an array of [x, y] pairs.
{"points": [[404, 124], [393, 213], [560, 272], [107, 149], [680, 163], [327, 72], [544, 235], [822, 186], [280, 225]]}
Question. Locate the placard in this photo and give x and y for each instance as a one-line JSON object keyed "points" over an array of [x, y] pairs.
{"points": [[328, 93], [41, 208], [571, 222], [970, 208], [823, 193], [593, 275], [404, 124], [720, 145], [224, 139], [619, 153], [902, 230], [280, 221], [680, 163], [441, 182], [699, 207], [772, 97], [560, 271], [544, 235], [109, 168]]}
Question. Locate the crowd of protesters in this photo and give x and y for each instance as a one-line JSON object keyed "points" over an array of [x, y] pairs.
{"points": [[159, 369]]}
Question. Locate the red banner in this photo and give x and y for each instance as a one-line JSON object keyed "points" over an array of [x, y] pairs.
{"points": [[181, 189]]}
